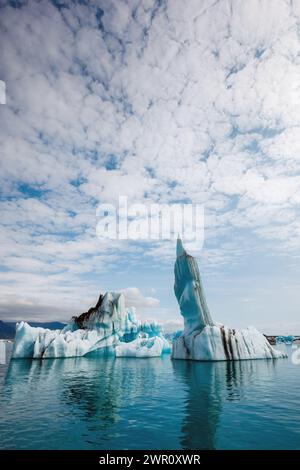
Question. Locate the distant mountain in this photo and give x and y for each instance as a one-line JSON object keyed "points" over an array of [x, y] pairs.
{"points": [[7, 329], [51, 325]]}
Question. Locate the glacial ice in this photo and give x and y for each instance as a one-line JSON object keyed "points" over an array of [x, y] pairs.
{"points": [[202, 339], [109, 328], [285, 339], [143, 346]]}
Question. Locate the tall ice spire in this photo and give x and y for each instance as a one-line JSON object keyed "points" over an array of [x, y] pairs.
{"points": [[189, 291]]}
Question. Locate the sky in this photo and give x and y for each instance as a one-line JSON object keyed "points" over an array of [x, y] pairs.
{"points": [[161, 101]]}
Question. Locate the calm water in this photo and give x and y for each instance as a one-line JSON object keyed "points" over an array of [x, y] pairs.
{"points": [[89, 403]]}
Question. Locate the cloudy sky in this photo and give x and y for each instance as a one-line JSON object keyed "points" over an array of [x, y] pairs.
{"points": [[162, 101]]}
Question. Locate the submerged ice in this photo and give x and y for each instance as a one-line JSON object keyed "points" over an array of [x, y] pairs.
{"points": [[202, 339], [109, 328]]}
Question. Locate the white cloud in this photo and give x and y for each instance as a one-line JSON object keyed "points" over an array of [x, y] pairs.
{"points": [[173, 325], [135, 298], [153, 101]]}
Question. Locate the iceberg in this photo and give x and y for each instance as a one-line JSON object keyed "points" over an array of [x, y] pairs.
{"points": [[109, 328], [203, 339], [285, 339], [143, 346]]}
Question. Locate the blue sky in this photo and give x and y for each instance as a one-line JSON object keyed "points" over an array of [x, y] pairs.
{"points": [[161, 103]]}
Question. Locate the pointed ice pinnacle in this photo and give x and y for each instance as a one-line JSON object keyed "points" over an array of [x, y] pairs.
{"points": [[179, 248], [189, 291], [202, 340]]}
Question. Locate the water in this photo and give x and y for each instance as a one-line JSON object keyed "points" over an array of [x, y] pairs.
{"points": [[90, 403]]}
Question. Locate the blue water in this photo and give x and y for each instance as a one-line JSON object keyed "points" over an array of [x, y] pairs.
{"points": [[89, 403]]}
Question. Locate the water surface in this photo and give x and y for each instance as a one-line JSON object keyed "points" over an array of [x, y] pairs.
{"points": [[92, 403]]}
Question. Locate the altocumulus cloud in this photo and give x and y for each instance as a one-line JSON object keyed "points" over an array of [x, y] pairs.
{"points": [[162, 101]]}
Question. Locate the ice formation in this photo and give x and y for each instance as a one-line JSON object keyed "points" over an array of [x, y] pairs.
{"points": [[109, 328], [285, 339], [202, 339], [143, 346]]}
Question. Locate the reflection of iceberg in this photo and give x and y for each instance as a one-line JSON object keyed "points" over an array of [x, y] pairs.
{"points": [[90, 404], [202, 404], [202, 339], [211, 387], [101, 329]]}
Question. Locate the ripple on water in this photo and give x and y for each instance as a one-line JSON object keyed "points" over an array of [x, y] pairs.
{"points": [[92, 403]]}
